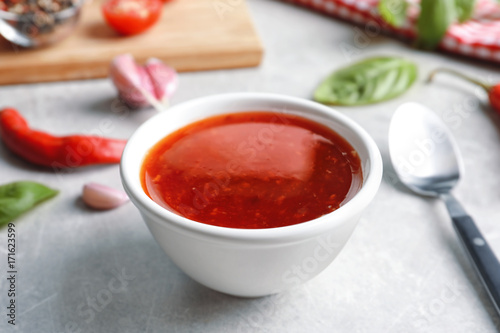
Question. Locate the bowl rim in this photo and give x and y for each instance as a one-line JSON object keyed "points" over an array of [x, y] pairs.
{"points": [[296, 232]]}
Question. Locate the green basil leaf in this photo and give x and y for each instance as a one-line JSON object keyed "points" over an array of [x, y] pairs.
{"points": [[465, 9], [393, 11], [369, 81], [435, 18], [19, 197]]}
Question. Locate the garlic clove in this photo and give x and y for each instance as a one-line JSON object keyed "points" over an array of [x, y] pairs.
{"points": [[131, 80], [102, 197], [164, 78]]}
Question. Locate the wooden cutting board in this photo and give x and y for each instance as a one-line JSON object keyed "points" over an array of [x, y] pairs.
{"points": [[191, 35]]}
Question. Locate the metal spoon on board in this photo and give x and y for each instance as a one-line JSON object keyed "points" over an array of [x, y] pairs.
{"points": [[427, 160]]}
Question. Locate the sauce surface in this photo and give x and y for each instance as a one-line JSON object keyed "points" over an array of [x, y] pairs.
{"points": [[252, 170]]}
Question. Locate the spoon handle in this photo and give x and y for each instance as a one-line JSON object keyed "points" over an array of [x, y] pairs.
{"points": [[480, 253]]}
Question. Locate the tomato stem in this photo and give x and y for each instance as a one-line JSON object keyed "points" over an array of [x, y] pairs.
{"points": [[463, 76]]}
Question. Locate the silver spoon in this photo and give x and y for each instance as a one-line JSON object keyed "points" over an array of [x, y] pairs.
{"points": [[427, 160]]}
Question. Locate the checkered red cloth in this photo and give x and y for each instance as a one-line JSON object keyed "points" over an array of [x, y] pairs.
{"points": [[477, 38]]}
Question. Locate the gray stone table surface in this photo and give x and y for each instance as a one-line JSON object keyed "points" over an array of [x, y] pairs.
{"points": [[402, 271]]}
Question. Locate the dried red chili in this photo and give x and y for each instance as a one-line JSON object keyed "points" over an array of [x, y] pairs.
{"points": [[494, 95], [493, 91], [56, 151]]}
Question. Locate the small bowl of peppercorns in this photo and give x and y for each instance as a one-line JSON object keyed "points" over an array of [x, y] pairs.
{"points": [[36, 23]]}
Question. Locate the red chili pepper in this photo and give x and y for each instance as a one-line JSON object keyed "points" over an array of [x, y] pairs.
{"points": [[494, 95], [53, 151], [493, 91]]}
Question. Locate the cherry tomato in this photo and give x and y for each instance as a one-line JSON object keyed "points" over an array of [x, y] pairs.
{"points": [[130, 17]]}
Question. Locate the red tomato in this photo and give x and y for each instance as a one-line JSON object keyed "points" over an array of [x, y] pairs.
{"points": [[130, 17]]}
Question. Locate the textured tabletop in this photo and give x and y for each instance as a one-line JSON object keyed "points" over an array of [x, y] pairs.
{"points": [[402, 271]]}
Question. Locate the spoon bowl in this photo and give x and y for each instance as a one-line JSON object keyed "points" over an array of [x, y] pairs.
{"points": [[427, 160], [423, 151]]}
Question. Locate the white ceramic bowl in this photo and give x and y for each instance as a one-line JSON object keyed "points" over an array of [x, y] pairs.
{"points": [[250, 262]]}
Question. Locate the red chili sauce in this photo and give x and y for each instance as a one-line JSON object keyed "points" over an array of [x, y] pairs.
{"points": [[252, 170]]}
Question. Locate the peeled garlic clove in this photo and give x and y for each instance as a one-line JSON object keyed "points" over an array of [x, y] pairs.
{"points": [[131, 80], [99, 196], [163, 78]]}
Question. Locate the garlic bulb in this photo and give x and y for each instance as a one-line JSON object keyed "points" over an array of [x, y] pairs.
{"points": [[140, 86], [163, 78]]}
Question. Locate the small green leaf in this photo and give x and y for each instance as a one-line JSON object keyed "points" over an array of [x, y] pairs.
{"points": [[435, 18], [369, 81], [393, 11], [465, 9], [19, 197]]}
